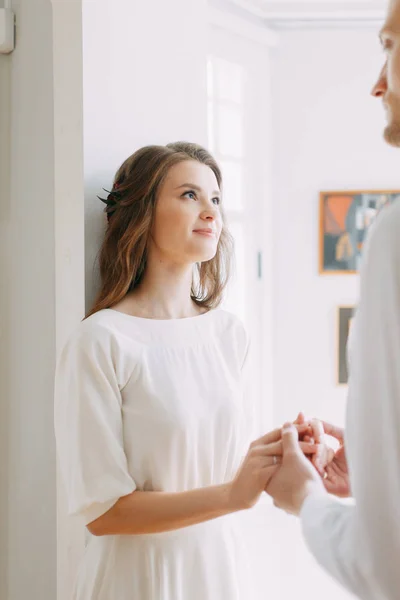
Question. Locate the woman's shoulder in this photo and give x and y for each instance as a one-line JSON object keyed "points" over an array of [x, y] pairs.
{"points": [[97, 345], [96, 327], [230, 318], [234, 326], [101, 330]]}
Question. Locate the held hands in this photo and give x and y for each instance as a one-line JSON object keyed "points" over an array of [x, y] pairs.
{"points": [[261, 462], [296, 477], [291, 463], [300, 473]]}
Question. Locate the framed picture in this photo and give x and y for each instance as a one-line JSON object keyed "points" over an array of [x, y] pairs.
{"points": [[345, 218], [344, 320]]}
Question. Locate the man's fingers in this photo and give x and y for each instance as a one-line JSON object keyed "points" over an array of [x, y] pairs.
{"points": [[303, 427], [290, 439], [318, 430], [300, 419], [276, 449], [276, 435], [334, 431], [308, 448], [333, 469], [316, 461]]}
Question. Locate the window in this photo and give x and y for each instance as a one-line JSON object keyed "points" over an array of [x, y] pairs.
{"points": [[237, 132]]}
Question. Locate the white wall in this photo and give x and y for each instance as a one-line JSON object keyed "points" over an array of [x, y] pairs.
{"points": [[327, 136], [144, 83]]}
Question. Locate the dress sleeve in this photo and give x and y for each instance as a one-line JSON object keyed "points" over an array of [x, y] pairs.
{"points": [[360, 544], [88, 425], [252, 423]]}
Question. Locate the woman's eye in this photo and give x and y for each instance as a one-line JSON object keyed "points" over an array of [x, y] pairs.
{"points": [[190, 195]]}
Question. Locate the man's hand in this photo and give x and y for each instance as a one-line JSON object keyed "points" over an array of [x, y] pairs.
{"points": [[324, 453], [296, 478], [337, 480], [333, 465]]}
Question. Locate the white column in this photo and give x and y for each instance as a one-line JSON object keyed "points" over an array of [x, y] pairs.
{"points": [[69, 233], [42, 286], [41, 273], [5, 201]]}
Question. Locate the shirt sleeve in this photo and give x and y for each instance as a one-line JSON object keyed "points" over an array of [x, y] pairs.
{"points": [[360, 545], [88, 425]]}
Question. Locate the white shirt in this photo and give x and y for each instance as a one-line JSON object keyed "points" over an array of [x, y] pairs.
{"points": [[359, 544], [154, 405]]}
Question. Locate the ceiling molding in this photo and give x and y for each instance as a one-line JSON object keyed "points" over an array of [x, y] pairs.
{"points": [[314, 12]]}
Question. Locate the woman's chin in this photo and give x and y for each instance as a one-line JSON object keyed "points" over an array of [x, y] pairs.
{"points": [[205, 253], [204, 256]]}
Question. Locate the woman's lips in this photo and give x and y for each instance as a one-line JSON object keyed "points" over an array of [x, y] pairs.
{"points": [[206, 232]]}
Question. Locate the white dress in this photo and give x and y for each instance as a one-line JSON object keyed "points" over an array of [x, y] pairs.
{"points": [[153, 405]]}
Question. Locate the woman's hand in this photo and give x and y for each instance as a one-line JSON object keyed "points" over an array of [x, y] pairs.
{"points": [[255, 471], [259, 465]]}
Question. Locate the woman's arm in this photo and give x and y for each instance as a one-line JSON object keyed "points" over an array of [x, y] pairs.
{"points": [[155, 512]]}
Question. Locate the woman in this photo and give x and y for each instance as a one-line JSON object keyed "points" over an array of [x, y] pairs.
{"points": [[150, 422]]}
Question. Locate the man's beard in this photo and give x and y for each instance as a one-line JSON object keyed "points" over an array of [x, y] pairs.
{"points": [[392, 134]]}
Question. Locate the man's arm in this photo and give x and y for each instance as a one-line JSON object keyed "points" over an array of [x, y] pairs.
{"points": [[360, 545]]}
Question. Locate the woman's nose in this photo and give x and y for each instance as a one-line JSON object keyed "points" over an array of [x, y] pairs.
{"points": [[208, 215]]}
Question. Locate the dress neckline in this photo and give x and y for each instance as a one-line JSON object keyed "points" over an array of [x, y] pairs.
{"points": [[173, 320]]}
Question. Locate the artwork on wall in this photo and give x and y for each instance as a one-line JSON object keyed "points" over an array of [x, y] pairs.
{"points": [[344, 321], [345, 218]]}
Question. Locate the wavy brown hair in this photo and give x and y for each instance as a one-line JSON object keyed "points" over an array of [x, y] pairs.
{"points": [[130, 213]]}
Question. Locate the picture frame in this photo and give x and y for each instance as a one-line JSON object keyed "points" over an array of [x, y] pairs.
{"points": [[345, 218], [345, 315]]}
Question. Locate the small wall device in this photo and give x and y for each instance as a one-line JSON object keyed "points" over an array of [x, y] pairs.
{"points": [[6, 30]]}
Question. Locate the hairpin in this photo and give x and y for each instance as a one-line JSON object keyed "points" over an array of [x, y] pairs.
{"points": [[111, 200]]}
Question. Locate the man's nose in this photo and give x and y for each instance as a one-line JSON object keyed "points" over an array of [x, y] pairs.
{"points": [[380, 87]]}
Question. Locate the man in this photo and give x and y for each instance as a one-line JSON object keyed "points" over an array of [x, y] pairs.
{"points": [[359, 544]]}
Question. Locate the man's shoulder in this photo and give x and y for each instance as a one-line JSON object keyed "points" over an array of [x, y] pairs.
{"points": [[384, 238], [389, 218]]}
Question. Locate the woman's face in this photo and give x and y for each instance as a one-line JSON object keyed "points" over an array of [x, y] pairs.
{"points": [[188, 222]]}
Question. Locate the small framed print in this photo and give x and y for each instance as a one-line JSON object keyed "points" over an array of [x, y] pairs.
{"points": [[345, 218], [344, 321]]}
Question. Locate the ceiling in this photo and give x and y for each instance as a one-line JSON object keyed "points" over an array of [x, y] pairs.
{"points": [[281, 12]]}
